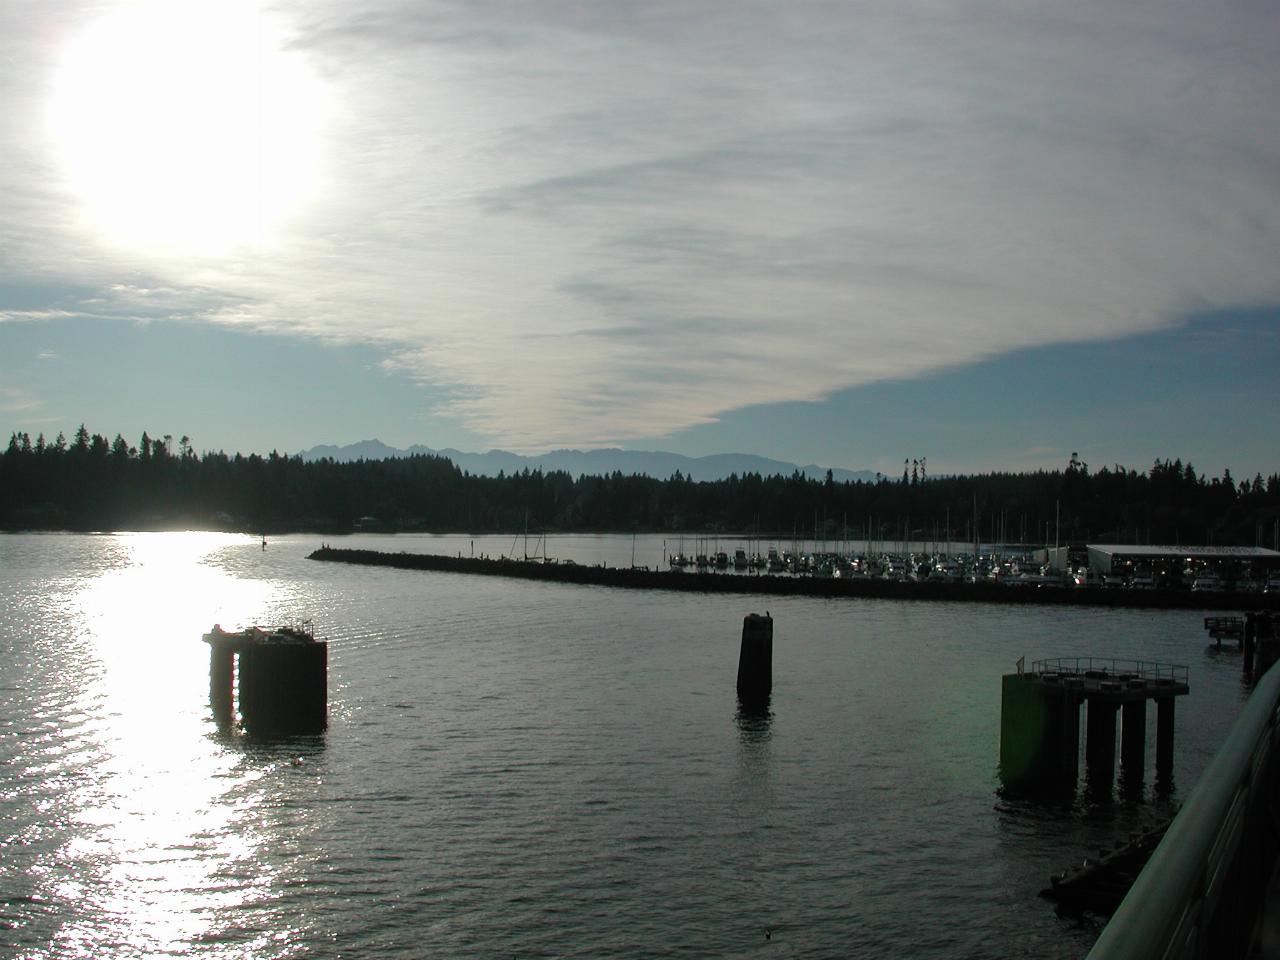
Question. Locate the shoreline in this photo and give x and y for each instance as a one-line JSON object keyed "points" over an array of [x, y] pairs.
{"points": [[767, 584]]}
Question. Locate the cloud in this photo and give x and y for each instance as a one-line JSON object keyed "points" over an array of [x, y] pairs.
{"points": [[31, 316], [15, 400], [588, 224]]}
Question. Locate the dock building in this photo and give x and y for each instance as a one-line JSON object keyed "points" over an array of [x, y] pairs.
{"points": [[1160, 565]]}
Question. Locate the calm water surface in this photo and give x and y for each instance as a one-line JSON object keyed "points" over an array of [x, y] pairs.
{"points": [[531, 770]]}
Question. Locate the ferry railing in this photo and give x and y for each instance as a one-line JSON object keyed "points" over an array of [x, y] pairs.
{"points": [[1202, 891], [1109, 667]]}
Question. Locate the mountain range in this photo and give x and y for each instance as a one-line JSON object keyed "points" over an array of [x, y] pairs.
{"points": [[590, 462]]}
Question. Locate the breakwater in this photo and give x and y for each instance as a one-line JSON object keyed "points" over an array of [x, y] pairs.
{"points": [[766, 584]]}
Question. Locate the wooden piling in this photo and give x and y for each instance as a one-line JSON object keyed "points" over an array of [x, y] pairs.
{"points": [[755, 660]]}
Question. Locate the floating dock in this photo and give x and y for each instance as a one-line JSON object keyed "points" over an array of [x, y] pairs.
{"points": [[278, 679]]}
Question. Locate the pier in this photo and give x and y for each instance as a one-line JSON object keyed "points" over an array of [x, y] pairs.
{"points": [[1040, 720], [1260, 642], [279, 678], [1225, 628], [1256, 634]]}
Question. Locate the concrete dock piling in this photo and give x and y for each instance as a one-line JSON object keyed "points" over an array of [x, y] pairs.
{"points": [[222, 658], [755, 660], [1164, 735], [1133, 737], [1040, 720], [1100, 738], [280, 681]]}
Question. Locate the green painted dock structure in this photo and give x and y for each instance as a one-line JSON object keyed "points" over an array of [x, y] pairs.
{"points": [[1040, 719]]}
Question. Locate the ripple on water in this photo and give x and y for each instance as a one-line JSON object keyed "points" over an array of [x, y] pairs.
{"points": [[529, 769]]}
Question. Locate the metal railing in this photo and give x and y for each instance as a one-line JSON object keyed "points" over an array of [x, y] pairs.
{"points": [[1203, 888], [1107, 667]]}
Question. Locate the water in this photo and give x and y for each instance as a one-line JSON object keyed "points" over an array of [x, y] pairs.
{"points": [[532, 770]]}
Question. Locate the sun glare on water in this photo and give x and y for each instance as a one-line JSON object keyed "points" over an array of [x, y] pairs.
{"points": [[186, 127], [161, 842]]}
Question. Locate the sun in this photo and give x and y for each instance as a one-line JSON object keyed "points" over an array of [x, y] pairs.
{"points": [[187, 127]]}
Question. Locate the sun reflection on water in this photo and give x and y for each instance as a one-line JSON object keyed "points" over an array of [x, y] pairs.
{"points": [[166, 832]]}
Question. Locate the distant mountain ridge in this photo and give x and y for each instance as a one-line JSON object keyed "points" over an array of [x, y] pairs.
{"points": [[591, 462]]}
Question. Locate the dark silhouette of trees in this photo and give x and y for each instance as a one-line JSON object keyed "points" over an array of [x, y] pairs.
{"points": [[96, 484]]}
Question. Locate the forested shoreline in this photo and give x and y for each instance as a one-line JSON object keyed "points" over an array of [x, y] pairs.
{"points": [[92, 483]]}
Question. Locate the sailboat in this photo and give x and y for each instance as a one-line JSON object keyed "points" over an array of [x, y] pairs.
{"points": [[679, 560]]}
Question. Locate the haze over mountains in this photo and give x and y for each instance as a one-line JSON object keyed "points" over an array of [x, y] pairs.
{"points": [[591, 462]]}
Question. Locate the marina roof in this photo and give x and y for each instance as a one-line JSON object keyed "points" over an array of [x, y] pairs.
{"points": [[1185, 551]]}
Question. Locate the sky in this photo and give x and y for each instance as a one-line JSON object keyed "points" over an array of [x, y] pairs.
{"points": [[985, 233]]}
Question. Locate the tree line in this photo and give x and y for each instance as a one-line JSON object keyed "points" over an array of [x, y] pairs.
{"points": [[92, 483]]}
